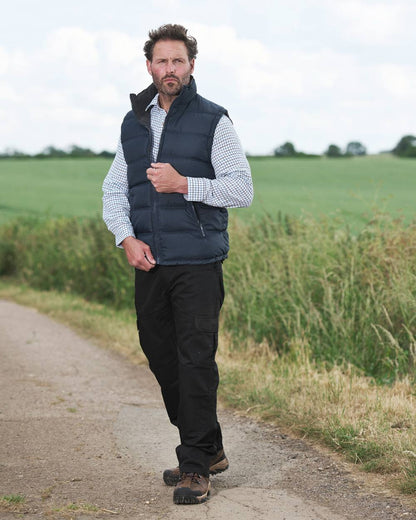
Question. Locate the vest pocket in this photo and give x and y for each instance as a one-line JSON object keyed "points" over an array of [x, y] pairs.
{"points": [[196, 213]]}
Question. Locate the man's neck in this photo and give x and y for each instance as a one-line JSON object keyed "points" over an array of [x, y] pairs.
{"points": [[165, 101]]}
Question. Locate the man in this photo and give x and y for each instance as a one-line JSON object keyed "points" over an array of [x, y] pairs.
{"points": [[179, 164]]}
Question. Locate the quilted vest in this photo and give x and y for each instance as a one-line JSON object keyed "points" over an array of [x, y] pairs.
{"points": [[177, 231]]}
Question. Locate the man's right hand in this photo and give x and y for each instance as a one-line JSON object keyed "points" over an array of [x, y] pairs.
{"points": [[138, 254]]}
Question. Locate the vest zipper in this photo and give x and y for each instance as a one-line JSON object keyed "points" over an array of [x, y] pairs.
{"points": [[153, 196], [162, 137]]}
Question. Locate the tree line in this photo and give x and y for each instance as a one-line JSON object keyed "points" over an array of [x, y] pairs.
{"points": [[74, 151], [406, 147]]}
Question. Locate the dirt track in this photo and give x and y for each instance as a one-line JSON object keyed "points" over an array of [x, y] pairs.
{"points": [[80, 425]]}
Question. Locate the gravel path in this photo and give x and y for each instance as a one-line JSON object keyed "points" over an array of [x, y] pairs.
{"points": [[84, 435]]}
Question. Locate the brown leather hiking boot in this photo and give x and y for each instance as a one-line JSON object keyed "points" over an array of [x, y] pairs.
{"points": [[218, 464], [191, 489]]}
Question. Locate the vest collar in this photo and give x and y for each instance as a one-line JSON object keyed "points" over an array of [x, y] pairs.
{"points": [[139, 102]]}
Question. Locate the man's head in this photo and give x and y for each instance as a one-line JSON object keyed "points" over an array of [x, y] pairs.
{"points": [[171, 32], [170, 57]]}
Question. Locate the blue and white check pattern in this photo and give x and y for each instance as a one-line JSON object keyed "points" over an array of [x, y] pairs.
{"points": [[231, 188]]}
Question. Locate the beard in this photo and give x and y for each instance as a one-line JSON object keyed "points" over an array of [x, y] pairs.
{"points": [[171, 85]]}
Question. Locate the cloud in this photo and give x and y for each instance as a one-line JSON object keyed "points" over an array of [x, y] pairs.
{"points": [[4, 61], [119, 49], [8, 93], [108, 96], [71, 45], [398, 80], [73, 81], [72, 86], [270, 72], [368, 22]]}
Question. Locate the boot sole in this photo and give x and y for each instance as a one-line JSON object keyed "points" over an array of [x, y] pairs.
{"points": [[219, 467], [190, 499]]}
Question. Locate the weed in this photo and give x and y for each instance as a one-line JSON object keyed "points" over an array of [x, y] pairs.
{"points": [[78, 508], [14, 503], [13, 499], [82, 507], [408, 485]]}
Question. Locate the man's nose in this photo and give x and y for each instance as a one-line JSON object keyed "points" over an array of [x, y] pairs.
{"points": [[171, 66]]}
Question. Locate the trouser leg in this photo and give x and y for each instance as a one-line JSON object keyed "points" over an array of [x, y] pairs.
{"points": [[157, 335], [197, 295], [178, 309]]}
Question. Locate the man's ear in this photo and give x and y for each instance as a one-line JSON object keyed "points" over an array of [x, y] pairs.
{"points": [[149, 66], [192, 62]]}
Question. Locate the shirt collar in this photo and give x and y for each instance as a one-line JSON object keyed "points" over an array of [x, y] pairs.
{"points": [[154, 102]]}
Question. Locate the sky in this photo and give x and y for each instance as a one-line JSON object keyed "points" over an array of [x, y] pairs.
{"points": [[313, 72]]}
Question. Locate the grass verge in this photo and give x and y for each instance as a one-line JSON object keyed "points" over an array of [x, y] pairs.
{"points": [[370, 425]]}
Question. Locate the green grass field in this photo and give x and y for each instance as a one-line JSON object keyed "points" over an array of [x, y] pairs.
{"points": [[348, 189]]}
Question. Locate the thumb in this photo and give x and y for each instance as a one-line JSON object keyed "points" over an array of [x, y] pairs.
{"points": [[149, 256]]}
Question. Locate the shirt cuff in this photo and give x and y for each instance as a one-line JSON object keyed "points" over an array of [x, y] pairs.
{"points": [[122, 233], [197, 189]]}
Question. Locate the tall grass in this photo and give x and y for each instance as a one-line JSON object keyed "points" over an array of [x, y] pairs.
{"points": [[343, 298], [292, 285], [67, 254]]}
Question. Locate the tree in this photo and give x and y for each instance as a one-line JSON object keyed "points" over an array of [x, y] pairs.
{"points": [[51, 151], [406, 147], [13, 153], [333, 151], [106, 154], [77, 151], [285, 150], [355, 148]]}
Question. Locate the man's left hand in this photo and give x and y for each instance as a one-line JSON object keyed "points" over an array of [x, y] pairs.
{"points": [[166, 179]]}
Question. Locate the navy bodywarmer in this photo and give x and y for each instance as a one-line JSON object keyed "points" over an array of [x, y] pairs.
{"points": [[177, 231]]}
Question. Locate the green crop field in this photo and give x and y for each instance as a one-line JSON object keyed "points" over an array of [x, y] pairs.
{"points": [[347, 189], [69, 187]]}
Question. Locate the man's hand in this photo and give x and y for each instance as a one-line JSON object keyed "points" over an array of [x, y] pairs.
{"points": [[166, 179], [138, 254]]}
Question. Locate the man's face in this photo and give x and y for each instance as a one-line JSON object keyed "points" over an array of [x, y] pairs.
{"points": [[170, 67]]}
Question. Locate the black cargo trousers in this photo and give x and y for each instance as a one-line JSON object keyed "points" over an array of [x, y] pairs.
{"points": [[177, 319]]}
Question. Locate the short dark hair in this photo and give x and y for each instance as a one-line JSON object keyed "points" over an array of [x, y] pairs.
{"points": [[170, 32]]}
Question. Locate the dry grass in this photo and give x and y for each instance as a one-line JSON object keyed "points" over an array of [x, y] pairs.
{"points": [[373, 426]]}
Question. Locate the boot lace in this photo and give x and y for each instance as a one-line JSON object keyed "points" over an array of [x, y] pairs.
{"points": [[194, 477]]}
